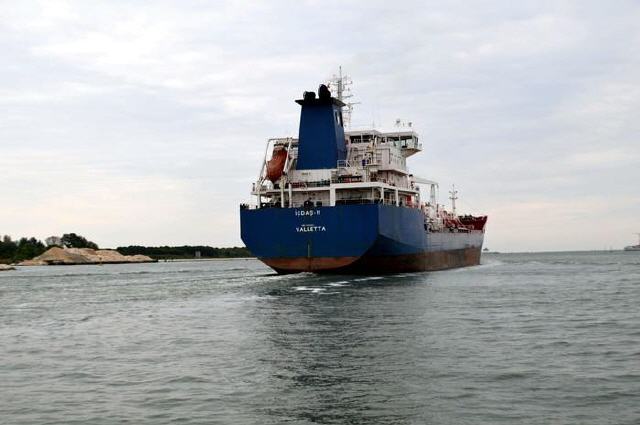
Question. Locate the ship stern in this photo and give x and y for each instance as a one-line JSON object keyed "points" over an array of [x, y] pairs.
{"points": [[311, 239]]}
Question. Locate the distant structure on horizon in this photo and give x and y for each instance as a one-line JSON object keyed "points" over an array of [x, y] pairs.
{"points": [[53, 240], [633, 247]]}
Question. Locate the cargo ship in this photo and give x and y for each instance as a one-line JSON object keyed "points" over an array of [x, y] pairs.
{"points": [[338, 201]]}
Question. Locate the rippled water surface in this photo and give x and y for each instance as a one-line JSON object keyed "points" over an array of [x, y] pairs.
{"points": [[523, 338]]}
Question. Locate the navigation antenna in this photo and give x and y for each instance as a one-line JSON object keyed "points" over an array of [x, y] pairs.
{"points": [[340, 85], [453, 195]]}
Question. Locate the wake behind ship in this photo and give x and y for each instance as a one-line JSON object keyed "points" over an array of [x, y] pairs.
{"points": [[344, 202]]}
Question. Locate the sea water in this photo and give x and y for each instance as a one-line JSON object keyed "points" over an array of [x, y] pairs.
{"points": [[521, 339]]}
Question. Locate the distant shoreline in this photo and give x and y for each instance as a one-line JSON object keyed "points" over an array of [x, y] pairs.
{"points": [[184, 260], [7, 267], [554, 252]]}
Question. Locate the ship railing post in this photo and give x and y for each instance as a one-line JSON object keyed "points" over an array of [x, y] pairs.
{"points": [[282, 183], [433, 197], [397, 198], [287, 163], [332, 196], [290, 195]]}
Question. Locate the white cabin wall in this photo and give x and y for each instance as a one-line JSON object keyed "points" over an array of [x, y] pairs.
{"points": [[309, 175]]}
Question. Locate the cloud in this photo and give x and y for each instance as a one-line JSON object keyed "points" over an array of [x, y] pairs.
{"points": [[156, 114]]}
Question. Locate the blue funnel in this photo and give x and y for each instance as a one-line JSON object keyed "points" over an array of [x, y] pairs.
{"points": [[321, 136]]}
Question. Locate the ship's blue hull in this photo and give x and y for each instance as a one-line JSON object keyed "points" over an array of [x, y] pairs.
{"points": [[354, 238]]}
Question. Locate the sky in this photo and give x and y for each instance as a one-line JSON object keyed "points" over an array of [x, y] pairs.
{"points": [[145, 122]]}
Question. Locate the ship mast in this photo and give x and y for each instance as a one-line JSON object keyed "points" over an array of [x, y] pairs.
{"points": [[453, 195], [340, 85]]}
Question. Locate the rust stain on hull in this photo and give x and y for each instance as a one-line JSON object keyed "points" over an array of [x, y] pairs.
{"points": [[427, 261]]}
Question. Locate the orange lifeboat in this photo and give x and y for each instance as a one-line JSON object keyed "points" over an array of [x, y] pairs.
{"points": [[275, 166]]}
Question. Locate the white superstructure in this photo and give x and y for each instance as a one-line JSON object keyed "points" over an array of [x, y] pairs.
{"points": [[374, 171]]}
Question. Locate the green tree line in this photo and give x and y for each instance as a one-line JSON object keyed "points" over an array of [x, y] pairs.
{"points": [[23, 249], [14, 251], [185, 251], [26, 248]]}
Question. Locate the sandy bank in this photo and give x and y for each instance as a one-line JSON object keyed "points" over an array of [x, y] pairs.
{"points": [[71, 256]]}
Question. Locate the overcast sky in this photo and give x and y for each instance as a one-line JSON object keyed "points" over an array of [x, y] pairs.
{"points": [[144, 122]]}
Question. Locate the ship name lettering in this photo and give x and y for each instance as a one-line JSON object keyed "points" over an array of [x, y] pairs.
{"points": [[309, 213], [310, 228]]}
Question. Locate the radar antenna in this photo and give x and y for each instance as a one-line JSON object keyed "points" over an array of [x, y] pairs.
{"points": [[340, 85], [453, 195], [403, 124]]}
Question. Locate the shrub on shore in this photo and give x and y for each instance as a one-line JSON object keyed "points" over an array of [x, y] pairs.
{"points": [[24, 249]]}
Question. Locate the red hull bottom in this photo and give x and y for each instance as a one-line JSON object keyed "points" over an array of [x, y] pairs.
{"points": [[426, 261], [304, 264]]}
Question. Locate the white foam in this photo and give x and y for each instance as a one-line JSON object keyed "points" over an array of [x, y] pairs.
{"points": [[311, 289], [362, 279]]}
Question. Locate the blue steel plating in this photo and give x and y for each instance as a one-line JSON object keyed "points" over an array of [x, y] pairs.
{"points": [[351, 231]]}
